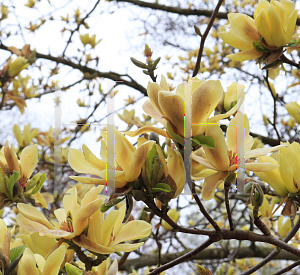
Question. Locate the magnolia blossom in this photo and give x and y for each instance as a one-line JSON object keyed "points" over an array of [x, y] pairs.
{"points": [[274, 22], [224, 157], [165, 106], [35, 264], [106, 235], [72, 219], [128, 161]]}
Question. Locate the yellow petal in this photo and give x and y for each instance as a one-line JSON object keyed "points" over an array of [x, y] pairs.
{"points": [[262, 151], [149, 109], [107, 227], [70, 201], [11, 158], [245, 55], [79, 164], [42, 245], [147, 129], [30, 225], [211, 183], [273, 177], [164, 83], [3, 230], [27, 264], [231, 39], [207, 96], [203, 161], [92, 159], [88, 180], [137, 161], [172, 106], [91, 195], [243, 27], [218, 156], [287, 174], [54, 261], [277, 29], [80, 219], [264, 26], [84, 242], [293, 109], [153, 90], [33, 214], [29, 160], [260, 166], [126, 247], [133, 230]]}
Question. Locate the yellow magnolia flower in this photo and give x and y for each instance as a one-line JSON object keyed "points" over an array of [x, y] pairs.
{"points": [[72, 219], [106, 235], [293, 109], [234, 92], [274, 22], [19, 64], [127, 167], [224, 158], [27, 136], [165, 106], [86, 39], [5, 237], [35, 264], [174, 216]]}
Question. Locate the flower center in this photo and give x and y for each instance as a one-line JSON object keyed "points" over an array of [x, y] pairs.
{"points": [[232, 158], [67, 226]]}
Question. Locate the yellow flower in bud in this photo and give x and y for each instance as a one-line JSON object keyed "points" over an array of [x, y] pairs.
{"points": [[18, 65], [234, 92], [293, 109], [35, 264], [273, 73], [27, 136], [276, 21], [72, 219], [107, 235], [174, 216], [224, 157], [265, 119], [291, 122], [165, 106]]}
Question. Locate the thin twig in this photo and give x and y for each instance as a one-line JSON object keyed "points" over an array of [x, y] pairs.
{"points": [[204, 36], [288, 268]]}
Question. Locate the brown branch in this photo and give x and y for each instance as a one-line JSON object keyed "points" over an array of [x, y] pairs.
{"points": [[180, 11], [204, 36], [208, 254], [227, 186], [288, 268], [110, 75], [186, 256], [288, 61]]}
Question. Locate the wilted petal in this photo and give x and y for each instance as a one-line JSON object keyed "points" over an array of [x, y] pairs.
{"points": [[211, 183]]}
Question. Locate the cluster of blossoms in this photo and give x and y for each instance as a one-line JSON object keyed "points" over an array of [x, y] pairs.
{"points": [[147, 172]]}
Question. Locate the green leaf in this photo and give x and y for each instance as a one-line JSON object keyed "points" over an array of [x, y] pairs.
{"points": [[138, 63], [197, 31], [40, 184], [175, 137], [105, 206], [206, 141], [72, 270], [161, 187], [155, 63], [152, 154], [146, 72], [293, 43], [259, 47], [10, 182], [34, 180], [16, 252]]}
